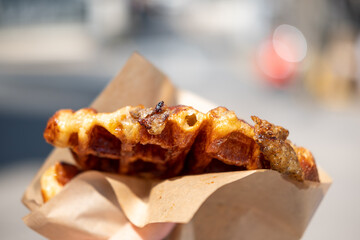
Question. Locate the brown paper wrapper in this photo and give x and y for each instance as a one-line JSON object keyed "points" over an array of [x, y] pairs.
{"points": [[244, 204]]}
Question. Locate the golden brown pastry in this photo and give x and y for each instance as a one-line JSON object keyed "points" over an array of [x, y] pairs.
{"points": [[132, 140], [55, 178], [307, 163], [166, 141], [225, 143]]}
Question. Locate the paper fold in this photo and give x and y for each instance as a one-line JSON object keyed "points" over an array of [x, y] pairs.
{"points": [[246, 204]]}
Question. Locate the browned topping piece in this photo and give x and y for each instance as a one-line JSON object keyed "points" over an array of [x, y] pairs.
{"points": [[154, 120], [273, 144]]}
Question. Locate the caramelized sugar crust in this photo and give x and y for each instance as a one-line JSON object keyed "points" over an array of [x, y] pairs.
{"points": [[132, 140], [55, 177], [163, 142], [227, 139]]}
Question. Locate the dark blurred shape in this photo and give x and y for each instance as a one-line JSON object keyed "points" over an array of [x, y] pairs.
{"points": [[22, 139], [22, 12], [352, 10], [332, 76], [25, 112]]}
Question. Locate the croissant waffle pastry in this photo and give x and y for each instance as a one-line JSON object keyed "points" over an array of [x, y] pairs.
{"points": [[164, 141], [55, 178]]}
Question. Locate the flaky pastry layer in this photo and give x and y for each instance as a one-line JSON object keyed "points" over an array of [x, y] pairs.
{"points": [[166, 141], [55, 177]]}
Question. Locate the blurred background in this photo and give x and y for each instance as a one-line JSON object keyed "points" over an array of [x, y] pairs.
{"points": [[295, 63]]}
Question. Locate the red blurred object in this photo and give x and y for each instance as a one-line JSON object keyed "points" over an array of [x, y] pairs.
{"points": [[274, 69]]}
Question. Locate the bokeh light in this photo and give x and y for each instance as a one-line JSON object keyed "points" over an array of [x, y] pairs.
{"points": [[278, 58], [289, 43], [276, 70]]}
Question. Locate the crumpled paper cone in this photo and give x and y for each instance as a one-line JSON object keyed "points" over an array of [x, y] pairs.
{"points": [[232, 205]]}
